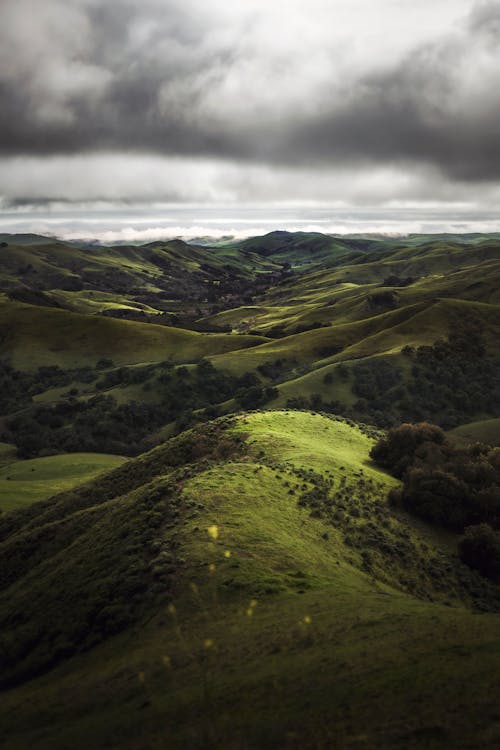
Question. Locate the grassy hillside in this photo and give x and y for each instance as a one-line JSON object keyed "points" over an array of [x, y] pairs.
{"points": [[329, 322], [304, 249], [165, 282], [25, 482], [485, 431], [32, 336], [245, 585]]}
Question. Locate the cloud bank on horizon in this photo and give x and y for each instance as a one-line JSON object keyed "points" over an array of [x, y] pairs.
{"points": [[332, 102]]}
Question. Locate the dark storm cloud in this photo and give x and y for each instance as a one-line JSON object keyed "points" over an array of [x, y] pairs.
{"points": [[440, 105], [188, 79]]}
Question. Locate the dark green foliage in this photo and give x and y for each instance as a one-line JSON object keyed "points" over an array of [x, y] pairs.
{"points": [[17, 388], [373, 379], [276, 369], [440, 497], [104, 364], [451, 487], [383, 300], [403, 445], [480, 549], [450, 382], [397, 281], [314, 403], [100, 424], [255, 396], [455, 488], [343, 371]]}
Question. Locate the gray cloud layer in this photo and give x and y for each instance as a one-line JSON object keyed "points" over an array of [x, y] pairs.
{"points": [[268, 82]]}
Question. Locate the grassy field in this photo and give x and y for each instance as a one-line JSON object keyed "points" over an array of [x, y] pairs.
{"points": [[7, 454], [25, 482], [275, 635], [485, 431], [34, 336]]}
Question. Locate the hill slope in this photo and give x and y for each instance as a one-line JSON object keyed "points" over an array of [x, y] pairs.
{"points": [[347, 325], [25, 482], [243, 586], [32, 336]]}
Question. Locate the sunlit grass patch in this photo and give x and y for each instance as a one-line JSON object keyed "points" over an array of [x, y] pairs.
{"points": [[25, 482]]}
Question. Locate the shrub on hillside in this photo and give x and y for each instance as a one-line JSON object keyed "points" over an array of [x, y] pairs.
{"points": [[480, 549], [256, 396], [398, 450], [439, 497], [448, 486]]}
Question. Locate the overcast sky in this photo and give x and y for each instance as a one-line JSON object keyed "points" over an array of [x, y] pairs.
{"points": [[142, 116]]}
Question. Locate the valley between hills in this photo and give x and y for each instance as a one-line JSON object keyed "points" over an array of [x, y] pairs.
{"points": [[249, 493]]}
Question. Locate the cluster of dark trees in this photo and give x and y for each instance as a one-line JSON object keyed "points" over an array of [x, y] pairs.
{"points": [[183, 395], [18, 387], [455, 488], [449, 383], [274, 370]]}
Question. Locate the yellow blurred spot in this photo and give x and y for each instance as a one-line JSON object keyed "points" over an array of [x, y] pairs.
{"points": [[171, 609], [307, 620], [211, 567], [227, 553], [142, 677], [208, 643], [249, 612], [194, 588], [213, 532], [253, 603], [166, 661]]}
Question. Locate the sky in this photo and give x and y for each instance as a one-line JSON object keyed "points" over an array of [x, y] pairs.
{"points": [[137, 119]]}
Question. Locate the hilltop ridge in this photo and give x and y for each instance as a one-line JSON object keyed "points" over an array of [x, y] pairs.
{"points": [[255, 527]]}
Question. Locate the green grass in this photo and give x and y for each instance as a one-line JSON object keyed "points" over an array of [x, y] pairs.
{"points": [[91, 302], [390, 674], [312, 441], [35, 336], [384, 333], [7, 453], [26, 482], [484, 431], [274, 635]]}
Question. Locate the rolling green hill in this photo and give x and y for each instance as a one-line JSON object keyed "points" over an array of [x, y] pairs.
{"points": [[304, 249], [152, 278], [32, 336], [25, 482], [485, 431], [245, 585], [341, 324]]}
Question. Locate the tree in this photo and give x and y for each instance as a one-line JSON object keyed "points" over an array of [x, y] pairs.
{"points": [[480, 550], [399, 449]]}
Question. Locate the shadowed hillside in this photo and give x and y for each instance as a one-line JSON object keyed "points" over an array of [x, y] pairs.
{"points": [[227, 575]]}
